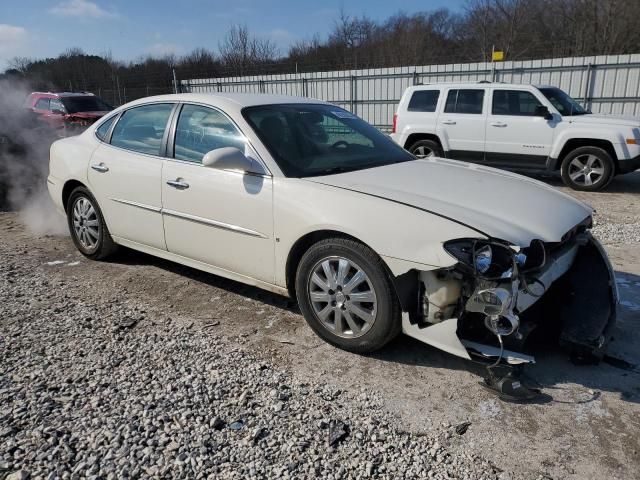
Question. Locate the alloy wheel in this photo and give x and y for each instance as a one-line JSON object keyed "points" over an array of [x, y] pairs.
{"points": [[586, 170], [343, 297], [86, 225], [423, 152]]}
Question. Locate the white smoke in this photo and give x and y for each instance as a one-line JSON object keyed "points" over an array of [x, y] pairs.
{"points": [[24, 163]]}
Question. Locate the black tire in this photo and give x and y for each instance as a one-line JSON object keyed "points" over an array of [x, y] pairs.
{"points": [[386, 324], [588, 180], [422, 147], [104, 244]]}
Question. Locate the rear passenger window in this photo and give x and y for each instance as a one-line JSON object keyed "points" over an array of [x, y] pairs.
{"points": [[424, 101], [202, 129], [102, 130], [514, 102], [141, 128], [464, 101]]}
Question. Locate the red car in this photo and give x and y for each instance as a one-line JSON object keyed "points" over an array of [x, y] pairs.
{"points": [[67, 113]]}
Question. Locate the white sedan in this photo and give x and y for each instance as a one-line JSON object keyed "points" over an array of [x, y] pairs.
{"points": [[303, 198]]}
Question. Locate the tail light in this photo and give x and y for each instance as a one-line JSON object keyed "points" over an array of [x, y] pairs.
{"points": [[395, 123]]}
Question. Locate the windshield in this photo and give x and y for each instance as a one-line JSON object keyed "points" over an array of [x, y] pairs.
{"points": [[85, 104], [566, 105], [308, 140]]}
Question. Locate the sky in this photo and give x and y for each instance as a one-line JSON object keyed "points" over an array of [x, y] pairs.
{"points": [[130, 29]]}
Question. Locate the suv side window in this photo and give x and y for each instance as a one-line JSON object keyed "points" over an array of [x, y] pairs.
{"points": [[202, 129], [56, 104], [42, 104], [464, 101], [514, 102], [141, 128], [423, 101]]}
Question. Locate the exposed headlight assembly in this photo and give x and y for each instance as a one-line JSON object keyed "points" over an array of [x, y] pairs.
{"points": [[487, 259]]}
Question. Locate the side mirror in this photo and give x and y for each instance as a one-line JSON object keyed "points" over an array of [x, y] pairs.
{"points": [[55, 111], [542, 111], [227, 158]]}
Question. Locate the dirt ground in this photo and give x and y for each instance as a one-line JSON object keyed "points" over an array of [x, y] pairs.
{"points": [[589, 429]]}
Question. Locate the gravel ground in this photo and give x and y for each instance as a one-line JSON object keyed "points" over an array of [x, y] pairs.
{"points": [[141, 368], [112, 389]]}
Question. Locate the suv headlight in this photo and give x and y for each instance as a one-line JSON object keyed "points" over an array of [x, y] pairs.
{"points": [[486, 259]]}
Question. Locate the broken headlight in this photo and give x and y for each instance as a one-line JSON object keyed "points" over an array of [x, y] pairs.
{"points": [[484, 258]]}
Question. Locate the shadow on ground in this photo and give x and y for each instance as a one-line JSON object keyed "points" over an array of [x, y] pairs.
{"points": [[619, 373]]}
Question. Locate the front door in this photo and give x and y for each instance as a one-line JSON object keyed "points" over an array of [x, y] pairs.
{"points": [[516, 137], [218, 217], [461, 125], [125, 175]]}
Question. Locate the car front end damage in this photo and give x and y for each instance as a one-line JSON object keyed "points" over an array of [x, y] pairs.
{"points": [[498, 296]]}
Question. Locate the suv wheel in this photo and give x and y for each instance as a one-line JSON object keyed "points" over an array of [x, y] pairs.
{"points": [[346, 295], [587, 169], [87, 226], [426, 148]]}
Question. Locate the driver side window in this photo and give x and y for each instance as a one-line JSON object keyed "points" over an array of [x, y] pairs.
{"points": [[202, 129]]}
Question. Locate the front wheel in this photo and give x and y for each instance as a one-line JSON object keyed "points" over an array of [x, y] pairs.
{"points": [[346, 295], [587, 169]]}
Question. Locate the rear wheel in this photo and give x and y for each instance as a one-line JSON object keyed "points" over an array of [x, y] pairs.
{"points": [[426, 148], [587, 169], [88, 229], [346, 295]]}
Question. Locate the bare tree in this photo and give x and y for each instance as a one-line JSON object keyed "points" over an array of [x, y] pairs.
{"points": [[239, 50]]}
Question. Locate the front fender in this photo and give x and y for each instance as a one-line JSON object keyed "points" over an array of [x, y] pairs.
{"points": [[405, 237], [608, 135]]}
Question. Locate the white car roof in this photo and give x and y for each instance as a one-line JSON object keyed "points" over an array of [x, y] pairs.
{"points": [[235, 101]]}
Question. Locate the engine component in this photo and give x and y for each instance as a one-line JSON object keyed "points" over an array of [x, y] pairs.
{"points": [[502, 325], [439, 296]]}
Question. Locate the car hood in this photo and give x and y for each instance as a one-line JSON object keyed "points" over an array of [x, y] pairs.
{"points": [[497, 203], [624, 120]]}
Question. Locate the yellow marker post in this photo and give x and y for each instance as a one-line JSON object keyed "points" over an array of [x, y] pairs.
{"points": [[496, 56]]}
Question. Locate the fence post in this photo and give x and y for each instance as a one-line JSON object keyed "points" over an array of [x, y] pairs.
{"points": [[305, 87], [354, 95], [175, 81], [415, 78], [261, 86], [588, 84]]}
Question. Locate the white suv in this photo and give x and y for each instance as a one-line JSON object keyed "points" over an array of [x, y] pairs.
{"points": [[518, 127]]}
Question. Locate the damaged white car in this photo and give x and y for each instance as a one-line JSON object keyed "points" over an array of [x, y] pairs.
{"points": [[301, 197]]}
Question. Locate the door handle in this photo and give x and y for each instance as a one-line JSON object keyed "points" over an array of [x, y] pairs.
{"points": [[178, 183], [449, 122], [101, 167], [498, 124]]}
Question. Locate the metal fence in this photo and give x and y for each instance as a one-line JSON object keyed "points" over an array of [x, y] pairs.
{"points": [[604, 84]]}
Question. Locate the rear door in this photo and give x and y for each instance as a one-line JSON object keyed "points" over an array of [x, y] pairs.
{"points": [[125, 174], [515, 136], [461, 125]]}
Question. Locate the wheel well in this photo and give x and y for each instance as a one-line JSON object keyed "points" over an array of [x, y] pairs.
{"points": [[301, 246], [414, 137], [69, 187], [574, 143]]}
